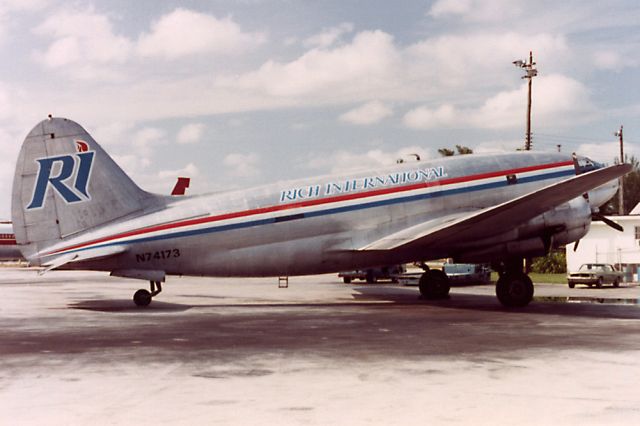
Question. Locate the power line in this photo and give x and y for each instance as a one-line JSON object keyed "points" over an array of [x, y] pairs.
{"points": [[563, 138]]}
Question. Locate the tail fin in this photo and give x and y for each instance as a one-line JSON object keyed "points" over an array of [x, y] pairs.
{"points": [[65, 184]]}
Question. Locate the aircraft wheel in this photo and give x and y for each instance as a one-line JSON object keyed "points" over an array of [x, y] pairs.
{"points": [[371, 279], [142, 298], [434, 284], [571, 285], [514, 291]]}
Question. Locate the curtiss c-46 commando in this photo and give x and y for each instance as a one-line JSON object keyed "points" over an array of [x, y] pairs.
{"points": [[74, 208]]}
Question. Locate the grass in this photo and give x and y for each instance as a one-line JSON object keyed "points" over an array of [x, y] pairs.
{"points": [[540, 278]]}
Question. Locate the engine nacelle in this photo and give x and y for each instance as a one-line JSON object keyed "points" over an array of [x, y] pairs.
{"points": [[565, 224]]}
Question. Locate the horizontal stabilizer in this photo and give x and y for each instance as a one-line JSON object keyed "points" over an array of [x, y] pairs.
{"points": [[91, 254], [502, 217]]}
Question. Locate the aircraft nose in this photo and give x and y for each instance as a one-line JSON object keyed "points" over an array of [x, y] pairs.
{"points": [[600, 195]]}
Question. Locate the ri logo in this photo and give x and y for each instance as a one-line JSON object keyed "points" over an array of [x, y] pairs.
{"points": [[68, 175]]}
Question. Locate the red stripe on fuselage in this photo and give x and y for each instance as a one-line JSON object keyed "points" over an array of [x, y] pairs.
{"points": [[315, 202]]}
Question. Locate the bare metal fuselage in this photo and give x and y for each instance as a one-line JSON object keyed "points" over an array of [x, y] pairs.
{"points": [[321, 225]]}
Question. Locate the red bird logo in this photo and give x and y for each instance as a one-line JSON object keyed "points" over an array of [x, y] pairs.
{"points": [[82, 146]]}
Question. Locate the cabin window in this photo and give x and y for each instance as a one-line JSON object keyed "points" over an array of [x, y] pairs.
{"points": [[637, 229]]}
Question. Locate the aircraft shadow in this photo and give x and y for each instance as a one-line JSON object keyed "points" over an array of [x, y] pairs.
{"points": [[567, 306], [391, 297], [126, 305]]}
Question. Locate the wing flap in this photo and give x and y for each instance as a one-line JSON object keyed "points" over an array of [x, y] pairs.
{"points": [[502, 217]]}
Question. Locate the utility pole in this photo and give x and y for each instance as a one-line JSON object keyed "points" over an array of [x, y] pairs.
{"points": [[531, 72], [620, 188]]}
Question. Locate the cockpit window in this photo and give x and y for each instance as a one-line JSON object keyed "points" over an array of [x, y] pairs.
{"points": [[585, 164]]}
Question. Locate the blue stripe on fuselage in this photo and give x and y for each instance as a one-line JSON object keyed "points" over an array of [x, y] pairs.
{"points": [[337, 210]]}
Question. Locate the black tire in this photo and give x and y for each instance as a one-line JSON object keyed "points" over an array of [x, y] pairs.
{"points": [[616, 283], [142, 298], [370, 277], [599, 283], [571, 285], [347, 280], [434, 284], [514, 291]]}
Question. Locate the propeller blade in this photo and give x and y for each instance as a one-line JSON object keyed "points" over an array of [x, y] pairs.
{"points": [[616, 226]]}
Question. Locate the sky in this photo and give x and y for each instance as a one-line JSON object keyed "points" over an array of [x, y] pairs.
{"points": [[239, 93]]}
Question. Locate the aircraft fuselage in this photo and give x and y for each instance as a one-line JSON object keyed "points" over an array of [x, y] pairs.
{"points": [[319, 225]]}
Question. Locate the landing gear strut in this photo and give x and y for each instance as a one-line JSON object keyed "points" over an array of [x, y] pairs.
{"points": [[143, 297], [434, 284], [514, 287]]}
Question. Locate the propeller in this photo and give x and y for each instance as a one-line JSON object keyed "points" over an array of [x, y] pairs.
{"points": [[608, 222]]}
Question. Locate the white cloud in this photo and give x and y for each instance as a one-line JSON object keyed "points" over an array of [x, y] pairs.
{"points": [[190, 133], [478, 60], [329, 36], [607, 150], [507, 145], [478, 10], [612, 60], [79, 37], [558, 101], [144, 140], [365, 66], [347, 161], [427, 118], [185, 32], [29, 5], [450, 7], [190, 170], [113, 134], [135, 152], [369, 113], [242, 165], [5, 104]]}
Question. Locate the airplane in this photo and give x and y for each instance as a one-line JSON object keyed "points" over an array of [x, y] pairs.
{"points": [[8, 246], [73, 207]]}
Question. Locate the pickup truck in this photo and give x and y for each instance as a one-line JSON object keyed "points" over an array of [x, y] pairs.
{"points": [[595, 274]]}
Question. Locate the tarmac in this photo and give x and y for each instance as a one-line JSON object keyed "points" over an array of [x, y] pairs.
{"points": [[74, 349]]}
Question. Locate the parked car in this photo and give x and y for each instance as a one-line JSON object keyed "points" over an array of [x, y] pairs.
{"points": [[373, 275], [467, 273], [595, 274]]}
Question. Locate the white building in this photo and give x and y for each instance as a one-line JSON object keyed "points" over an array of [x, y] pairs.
{"points": [[604, 244]]}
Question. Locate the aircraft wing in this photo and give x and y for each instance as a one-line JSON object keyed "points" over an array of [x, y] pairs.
{"points": [[499, 218], [92, 254]]}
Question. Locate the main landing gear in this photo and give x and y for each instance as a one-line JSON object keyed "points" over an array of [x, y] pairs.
{"points": [[514, 287], [434, 284], [143, 297]]}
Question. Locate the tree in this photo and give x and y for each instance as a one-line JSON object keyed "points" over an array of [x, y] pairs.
{"points": [[553, 263], [464, 150], [446, 152], [631, 188]]}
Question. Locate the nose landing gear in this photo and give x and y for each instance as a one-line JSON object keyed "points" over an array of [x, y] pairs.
{"points": [[143, 297]]}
